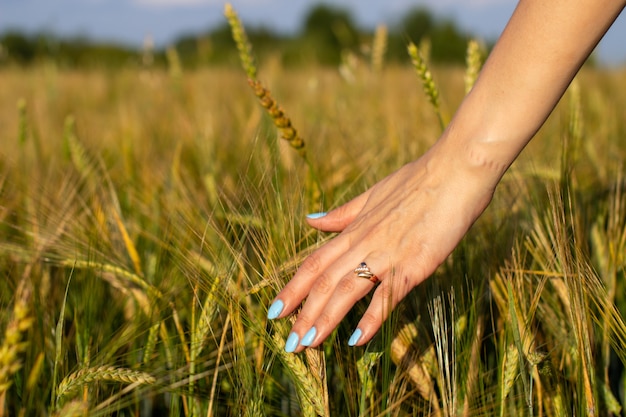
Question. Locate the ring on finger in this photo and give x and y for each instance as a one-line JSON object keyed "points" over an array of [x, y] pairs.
{"points": [[363, 271]]}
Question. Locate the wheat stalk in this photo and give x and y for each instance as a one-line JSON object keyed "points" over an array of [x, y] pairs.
{"points": [[241, 39], [309, 391], [15, 343], [445, 348], [364, 367], [430, 88], [153, 335], [281, 120], [22, 132], [316, 361], [473, 63], [418, 368], [75, 408], [174, 65], [102, 373], [379, 48]]}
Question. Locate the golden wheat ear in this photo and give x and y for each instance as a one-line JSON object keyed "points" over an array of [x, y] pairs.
{"points": [[15, 342], [473, 63], [244, 47], [281, 120], [379, 48]]}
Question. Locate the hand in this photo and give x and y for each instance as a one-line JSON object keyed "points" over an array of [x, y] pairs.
{"points": [[403, 228], [407, 224]]}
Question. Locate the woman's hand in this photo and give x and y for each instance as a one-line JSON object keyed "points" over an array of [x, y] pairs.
{"points": [[403, 228], [407, 224]]}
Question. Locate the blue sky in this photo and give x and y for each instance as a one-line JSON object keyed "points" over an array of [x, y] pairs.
{"points": [[130, 21]]}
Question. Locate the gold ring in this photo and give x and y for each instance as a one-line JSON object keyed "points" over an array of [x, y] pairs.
{"points": [[363, 271]]}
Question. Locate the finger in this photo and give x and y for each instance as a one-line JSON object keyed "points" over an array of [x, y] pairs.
{"points": [[350, 289], [386, 297], [314, 316], [310, 272], [338, 219]]}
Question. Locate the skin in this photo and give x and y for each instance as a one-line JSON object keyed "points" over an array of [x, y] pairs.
{"points": [[406, 225]]}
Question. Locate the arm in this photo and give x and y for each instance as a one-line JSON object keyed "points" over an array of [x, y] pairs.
{"points": [[406, 225], [537, 56]]}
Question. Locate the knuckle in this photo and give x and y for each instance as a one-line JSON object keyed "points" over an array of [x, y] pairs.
{"points": [[304, 321], [370, 320], [324, 284], [324, 321], [312, 264], [346, 286], [288, 292]]}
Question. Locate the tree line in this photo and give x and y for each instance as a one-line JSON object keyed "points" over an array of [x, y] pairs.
{"points": [[326, 33]]}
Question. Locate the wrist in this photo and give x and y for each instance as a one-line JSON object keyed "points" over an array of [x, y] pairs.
{"points": [[482, 144]]}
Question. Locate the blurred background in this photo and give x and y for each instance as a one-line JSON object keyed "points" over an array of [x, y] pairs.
{"points": [[79, 33]]}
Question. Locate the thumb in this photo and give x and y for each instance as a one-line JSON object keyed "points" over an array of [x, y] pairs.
{"points": [[338, 219]]}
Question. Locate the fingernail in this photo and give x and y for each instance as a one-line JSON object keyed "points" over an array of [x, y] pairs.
{"points": [[275, 309], [292, 343], [355, 337], [307, 339], [314, 216]]}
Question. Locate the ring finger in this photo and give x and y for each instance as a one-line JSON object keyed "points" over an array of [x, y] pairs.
{"points": [[317, 320]]}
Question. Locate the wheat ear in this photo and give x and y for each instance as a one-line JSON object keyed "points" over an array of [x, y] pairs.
{"points": [[379, 48], [241, 39], [310, 393], [281, 120], [15, 343], [430, 88], [102, 373], [417, 368], [473, 63]]}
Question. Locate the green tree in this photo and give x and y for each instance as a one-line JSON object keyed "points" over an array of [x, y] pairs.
{"points": [[447, 39], [328, 30], [19, 48]]}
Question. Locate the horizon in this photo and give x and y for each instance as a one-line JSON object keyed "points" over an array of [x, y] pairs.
{"points": [[131, 22]]}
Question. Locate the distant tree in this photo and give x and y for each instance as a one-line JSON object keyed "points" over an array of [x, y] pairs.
{"points": [[418, 23], [326, 31], [447, 40], [18, 47], [448, 43]]}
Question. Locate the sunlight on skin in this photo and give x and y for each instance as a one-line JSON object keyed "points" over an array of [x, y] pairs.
{"points": [[424, 209]]}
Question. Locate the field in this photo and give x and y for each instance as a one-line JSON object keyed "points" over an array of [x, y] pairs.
{"points": [[148, 217]]}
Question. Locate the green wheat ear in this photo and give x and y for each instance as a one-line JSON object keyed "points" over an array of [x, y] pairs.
{"points": [[241, 39], [419, 60], [22, 134]]}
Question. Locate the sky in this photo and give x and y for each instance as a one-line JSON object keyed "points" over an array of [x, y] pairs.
{"points": [[131, 21]]}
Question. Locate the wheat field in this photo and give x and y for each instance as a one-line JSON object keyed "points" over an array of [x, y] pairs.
{"points": [[148, 216]]}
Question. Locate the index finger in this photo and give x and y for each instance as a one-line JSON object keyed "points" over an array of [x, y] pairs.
{"points": [[300, 285]]}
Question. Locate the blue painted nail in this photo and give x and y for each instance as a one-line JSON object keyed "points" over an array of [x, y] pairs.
{"points": [[314, 216], [275, 309], [307, 339], [355, 337], [292, 342]]}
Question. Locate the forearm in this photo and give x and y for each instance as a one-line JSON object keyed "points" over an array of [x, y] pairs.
{"points": [[540, 51]]}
